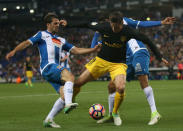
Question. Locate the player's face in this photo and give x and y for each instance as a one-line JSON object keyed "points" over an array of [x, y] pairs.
{"points": [[28, 59], [54, 25], [116, 27]]}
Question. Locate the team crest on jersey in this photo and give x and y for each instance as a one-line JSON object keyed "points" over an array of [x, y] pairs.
{"points": [[56, 42], [59, 67], [123, 38]]}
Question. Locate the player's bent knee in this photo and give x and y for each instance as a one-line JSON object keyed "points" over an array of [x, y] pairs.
{"points": [[111, 88], [67, 76], [120, 88]]}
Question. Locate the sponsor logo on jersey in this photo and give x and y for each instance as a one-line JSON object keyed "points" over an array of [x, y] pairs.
{"points": [[56, 42]]}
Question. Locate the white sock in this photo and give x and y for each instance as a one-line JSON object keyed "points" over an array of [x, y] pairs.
{"points": [[57, 107], [150, 98], [68, 92], [111, 102]]}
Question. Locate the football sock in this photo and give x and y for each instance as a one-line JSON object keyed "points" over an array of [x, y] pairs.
{"points": [[117, 101], [68, 92], [111, 102], [29, 81], [150, 98], [76, 90], [57, 107]]}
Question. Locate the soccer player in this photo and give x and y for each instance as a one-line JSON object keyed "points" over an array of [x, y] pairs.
{"points": [[138, 64], [50, 46], [112, 56], [28, 67]]}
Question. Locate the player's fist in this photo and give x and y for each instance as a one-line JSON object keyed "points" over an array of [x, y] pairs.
{"points": [[98, 47], [63, 23], [11, 54]]}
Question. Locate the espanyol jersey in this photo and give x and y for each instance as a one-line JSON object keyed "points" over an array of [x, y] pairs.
{"points": [[66, 62], [134, 45], [50, 47]]}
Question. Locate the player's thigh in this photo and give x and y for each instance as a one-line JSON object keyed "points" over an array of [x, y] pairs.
{"points": [[83, 78], [120, 81], [52, 73], [97, 67], [67, 75], [117, 69]]}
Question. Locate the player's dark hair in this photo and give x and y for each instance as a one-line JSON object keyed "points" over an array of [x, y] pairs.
{"points": [[116, 17], [48, 18]]}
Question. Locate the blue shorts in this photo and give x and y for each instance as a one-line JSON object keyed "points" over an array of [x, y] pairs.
{"points": [[138, 65], [52, 73]]}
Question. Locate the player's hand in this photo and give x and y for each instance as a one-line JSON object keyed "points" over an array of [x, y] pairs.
{"points": [[98, 47], [168, 21], [164, 61], [11, 54], [63, 23]]}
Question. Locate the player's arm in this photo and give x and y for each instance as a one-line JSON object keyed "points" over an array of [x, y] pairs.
{"points": [[83, 24], [77, 50], [95, 39], [19, 47], [141, 37], [144, 24], [36, 38]]}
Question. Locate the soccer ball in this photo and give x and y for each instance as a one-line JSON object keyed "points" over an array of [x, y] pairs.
{"points": [[97, 111]]}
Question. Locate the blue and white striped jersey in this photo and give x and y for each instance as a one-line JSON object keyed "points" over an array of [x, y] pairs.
{"points": [[66, 62], [50, 47]]}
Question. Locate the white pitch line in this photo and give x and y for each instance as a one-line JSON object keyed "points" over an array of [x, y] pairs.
{"points": [[53, 94]]}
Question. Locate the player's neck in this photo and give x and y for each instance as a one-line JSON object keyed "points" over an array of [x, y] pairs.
{"points": [[50, 31]]}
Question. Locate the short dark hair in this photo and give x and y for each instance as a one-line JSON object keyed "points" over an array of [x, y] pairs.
{"points": [[116, 17], [48, 17]]}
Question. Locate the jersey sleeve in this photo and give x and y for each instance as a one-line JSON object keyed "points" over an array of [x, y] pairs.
{"points": [[36, 38], [141, 37], [130, 22], [95, 40], [67, 46], [136, 24]]}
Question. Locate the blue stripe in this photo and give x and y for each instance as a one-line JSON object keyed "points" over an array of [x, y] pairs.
{"points": [[43, 53], [65, 63], [56, 55]]}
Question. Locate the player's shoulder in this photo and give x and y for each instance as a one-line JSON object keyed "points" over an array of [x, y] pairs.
{"points": [[63, 40]]}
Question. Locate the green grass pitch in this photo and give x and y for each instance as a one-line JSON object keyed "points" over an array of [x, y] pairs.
{"points": [[24, 109]]}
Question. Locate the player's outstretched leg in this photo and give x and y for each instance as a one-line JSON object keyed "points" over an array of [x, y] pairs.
{"points": [[68, 91], [57, 107], [119, 82], [148, 91]]}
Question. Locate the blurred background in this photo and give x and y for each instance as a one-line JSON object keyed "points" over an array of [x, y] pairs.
{"points": [[21, 19]]}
